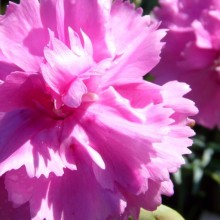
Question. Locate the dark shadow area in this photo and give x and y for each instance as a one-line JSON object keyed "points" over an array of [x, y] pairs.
{"points": [[3, 4]]}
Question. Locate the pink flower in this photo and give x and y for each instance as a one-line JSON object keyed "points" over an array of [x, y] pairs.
{"points": [[192, 53], [82, 135]]}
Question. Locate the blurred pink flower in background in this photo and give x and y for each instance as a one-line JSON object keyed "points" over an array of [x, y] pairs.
{"points": [[192, 53], [82, 135]]}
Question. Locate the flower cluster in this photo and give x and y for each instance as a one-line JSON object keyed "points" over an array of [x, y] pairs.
{"points": [[82, 135], [192, 53]]}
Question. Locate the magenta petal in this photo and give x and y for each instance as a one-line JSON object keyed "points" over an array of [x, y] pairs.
{"points": [[11, 94], [85, 15], [63, 66], [203, 38], [65, 197], [73, 97], [25, 19], [20, 91], [48, 17], [82, 134], [120, 135], [132, 48], [7, 210], [6, 67], [35, 148], [194, 58]]}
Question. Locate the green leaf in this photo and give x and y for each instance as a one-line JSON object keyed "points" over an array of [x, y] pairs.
{"points": [[162, 213]]}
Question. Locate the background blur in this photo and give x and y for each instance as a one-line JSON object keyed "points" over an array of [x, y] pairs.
{"points": [[197, 184]]}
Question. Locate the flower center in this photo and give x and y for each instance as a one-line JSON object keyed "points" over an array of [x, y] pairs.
{"points": [[52, 105]]}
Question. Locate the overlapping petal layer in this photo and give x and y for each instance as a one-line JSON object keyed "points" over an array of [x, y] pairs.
{"points": [[82, 135]]}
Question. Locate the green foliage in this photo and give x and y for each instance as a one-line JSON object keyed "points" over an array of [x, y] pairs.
{"points": [[162, 213], [147, 5], [3, 4], [2, 7]]}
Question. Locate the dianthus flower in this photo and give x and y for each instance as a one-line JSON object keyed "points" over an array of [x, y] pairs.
{"points": [[82, 135], [192, 53]]}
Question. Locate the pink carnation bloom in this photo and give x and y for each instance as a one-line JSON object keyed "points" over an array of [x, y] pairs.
{"points": [[82, 135], [192, 53]]}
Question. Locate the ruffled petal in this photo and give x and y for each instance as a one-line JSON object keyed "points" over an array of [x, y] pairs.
{"points": [[6, 67], [149, 166], [65, 197], [82, 135], [37, 147], [22, 90], [136, 53], [27, 45], [11, 93], [7, 210], [81, 15], [63, 66]]}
